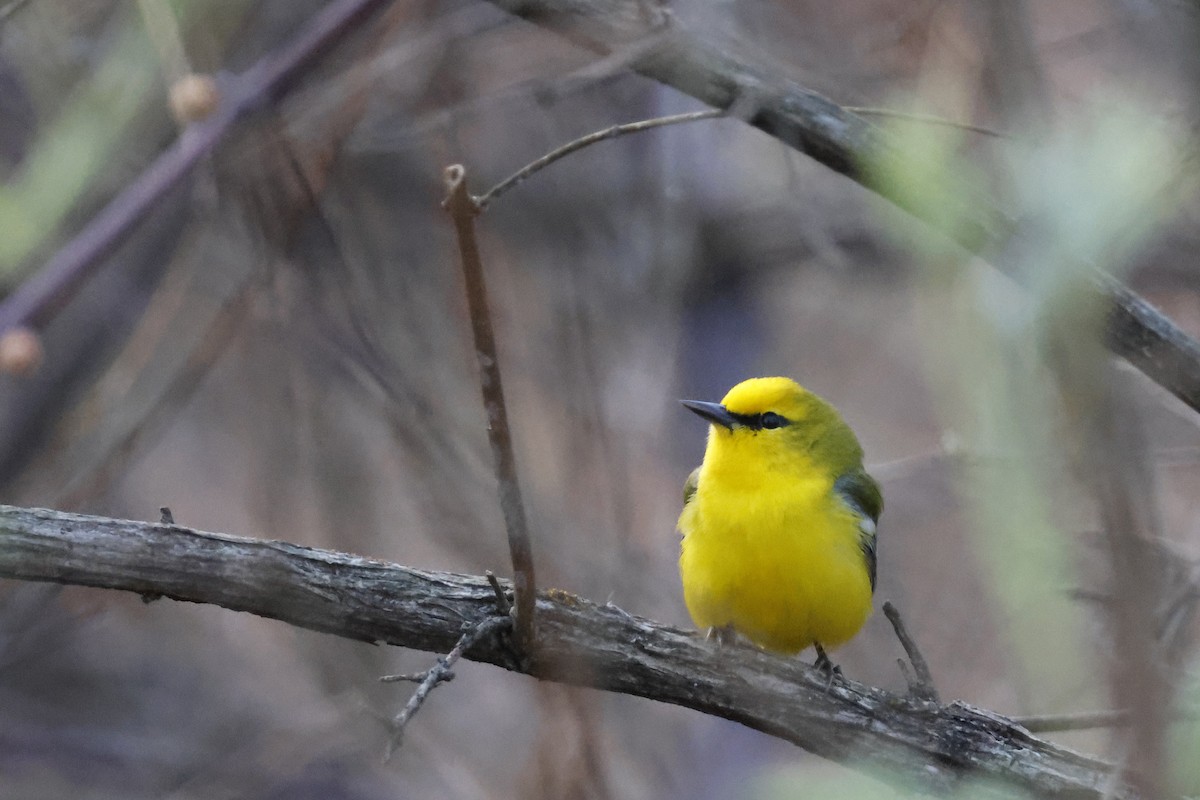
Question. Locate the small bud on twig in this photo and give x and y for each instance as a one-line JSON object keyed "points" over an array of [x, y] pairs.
{"points": [[194, 97], [20, 352]]}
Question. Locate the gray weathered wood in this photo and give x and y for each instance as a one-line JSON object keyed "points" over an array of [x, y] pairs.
{"points": [[581, 642]]}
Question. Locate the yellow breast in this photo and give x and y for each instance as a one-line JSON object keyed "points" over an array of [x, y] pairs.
{"points": [[778, 559]]}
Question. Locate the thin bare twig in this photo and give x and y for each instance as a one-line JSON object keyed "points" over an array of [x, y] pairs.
{"points": [[37, 299], [463, 209], [501, 598], [927, 119], [592, 138], [439, 673], [921, 683], [415, 677], [1075, 721], [1086, 720]]}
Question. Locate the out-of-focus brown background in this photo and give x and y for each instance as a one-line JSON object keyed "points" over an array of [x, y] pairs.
{"points": [[282, 351]]}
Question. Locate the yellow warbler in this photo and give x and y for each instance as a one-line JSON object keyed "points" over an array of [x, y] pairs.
{"points": [[779, 520]]}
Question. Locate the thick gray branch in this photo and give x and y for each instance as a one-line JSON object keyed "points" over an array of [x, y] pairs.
{"points": [[848, 144], [580, 642]]}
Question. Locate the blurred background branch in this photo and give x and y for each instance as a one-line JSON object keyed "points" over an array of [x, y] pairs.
{"points": [[39, 297], [281, 346], [844, 142]]}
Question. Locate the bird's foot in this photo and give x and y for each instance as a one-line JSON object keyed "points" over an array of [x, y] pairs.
{"points": [[823, 664], [724, 635]]}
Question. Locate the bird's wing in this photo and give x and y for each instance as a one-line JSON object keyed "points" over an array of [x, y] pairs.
{"points": [[689, 486], [860, 492]]}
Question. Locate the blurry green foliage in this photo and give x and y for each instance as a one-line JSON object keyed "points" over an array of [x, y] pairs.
{"points": [[1080, 199], [1184, 743], [72, 147]]}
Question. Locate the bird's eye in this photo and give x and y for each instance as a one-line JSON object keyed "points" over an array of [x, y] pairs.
{"points": [[771, 420]]}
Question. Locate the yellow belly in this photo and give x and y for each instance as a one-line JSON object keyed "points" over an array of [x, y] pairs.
{"points": [[781, 564]]}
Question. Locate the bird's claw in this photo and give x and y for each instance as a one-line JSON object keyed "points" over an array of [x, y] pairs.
{"points": [[823, 664], [724, 635]]}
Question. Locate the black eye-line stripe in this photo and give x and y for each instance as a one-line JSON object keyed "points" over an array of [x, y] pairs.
{"points": [[755, 421]]}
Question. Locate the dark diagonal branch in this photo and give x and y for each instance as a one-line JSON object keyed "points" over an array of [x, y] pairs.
{"points": [[36, 300], [914, 744], [848, 144], [463, 209]]}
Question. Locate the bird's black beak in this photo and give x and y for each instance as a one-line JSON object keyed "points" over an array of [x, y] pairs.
{"points": [[715, 413]]}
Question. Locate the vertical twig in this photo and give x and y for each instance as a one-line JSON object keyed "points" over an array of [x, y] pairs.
{"points": [[1123, 488], [1110, 449], [463, 209], [920, 684]]}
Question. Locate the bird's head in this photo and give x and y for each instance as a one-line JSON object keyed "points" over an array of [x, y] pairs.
{"points": [[774, 421]]}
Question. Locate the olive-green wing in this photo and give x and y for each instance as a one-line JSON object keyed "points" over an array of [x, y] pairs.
{"points": [[861, 493]]}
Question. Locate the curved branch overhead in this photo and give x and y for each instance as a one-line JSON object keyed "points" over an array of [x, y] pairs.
{"points": [[664, 51], [845, 143], [935, 748]]}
